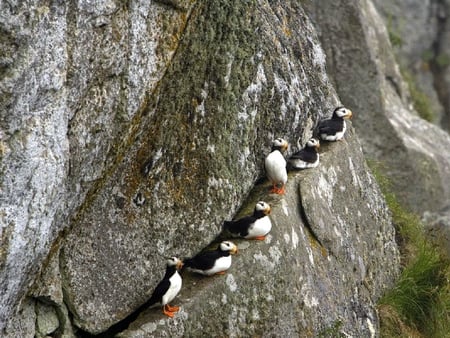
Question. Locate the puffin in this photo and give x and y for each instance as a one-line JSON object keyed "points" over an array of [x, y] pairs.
{"points": [[305, 158], [255, 226], [212, 262], [334, 129], [168, 288], [275, 166]]}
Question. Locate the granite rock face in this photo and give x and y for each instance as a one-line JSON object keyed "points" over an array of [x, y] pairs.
{"points": [[197, 152], [130, 131], [73, 79]]}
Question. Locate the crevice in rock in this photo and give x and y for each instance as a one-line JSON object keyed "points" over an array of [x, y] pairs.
{"points": [[306, 221], [117, 327]]}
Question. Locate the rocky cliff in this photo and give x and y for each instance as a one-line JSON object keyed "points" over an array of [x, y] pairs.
{"points": [[130, 131]]}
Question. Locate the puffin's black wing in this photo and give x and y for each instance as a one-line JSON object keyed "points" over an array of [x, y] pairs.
{"points": [[203, 261], [331, 126], [305, 155], [159, 292], [240, 226]]}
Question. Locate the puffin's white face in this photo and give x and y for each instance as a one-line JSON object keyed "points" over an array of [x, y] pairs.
{"points": [[343, 112], [313, 143], [228, 246], [174, 261], [263, 206], [280, 143]]}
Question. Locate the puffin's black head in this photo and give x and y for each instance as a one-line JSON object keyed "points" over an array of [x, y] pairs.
{"points": [[313, 143], [261, 209], [174, 261], [228, 246], [280, 145], [342, 113]]}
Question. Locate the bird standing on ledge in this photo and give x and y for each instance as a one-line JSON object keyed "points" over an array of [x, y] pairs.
{"points": [[169, 287], [305, 158], [255, 226], [334, 129], [275, 166], [213, 262]]}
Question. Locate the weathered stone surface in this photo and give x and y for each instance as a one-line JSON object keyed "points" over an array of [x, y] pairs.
{"points": [[23, 324], [199, 147], [367, 79], [47, 320], [330, 255], [73, 77], [33, 144]]}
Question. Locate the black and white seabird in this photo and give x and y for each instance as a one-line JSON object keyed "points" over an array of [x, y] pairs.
{"points": [[255, 226], [308, 157], [212, 262], [169, 287], [334, 129], [275, 166]]}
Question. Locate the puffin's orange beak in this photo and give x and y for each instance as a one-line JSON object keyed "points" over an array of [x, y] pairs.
{"points": [[349, 116], [234, 250], [179, 265], [267, 211]]}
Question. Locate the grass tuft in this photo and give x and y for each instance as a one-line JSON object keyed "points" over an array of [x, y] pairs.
{"points": [[419, 304], [421, 102]]}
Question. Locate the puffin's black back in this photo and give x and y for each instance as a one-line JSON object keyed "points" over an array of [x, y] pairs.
{"points": [[308, 154], [240, 226], [331, 126], [205, 260], [162, 287]]}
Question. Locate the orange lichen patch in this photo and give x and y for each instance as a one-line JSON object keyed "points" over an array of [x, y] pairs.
{"points": [[287, 31]]}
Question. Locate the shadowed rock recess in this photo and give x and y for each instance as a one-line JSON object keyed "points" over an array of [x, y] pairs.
{"points": [[129, 131]]}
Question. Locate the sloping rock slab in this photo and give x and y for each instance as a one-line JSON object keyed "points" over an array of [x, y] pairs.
{"points": [[330, 255]]}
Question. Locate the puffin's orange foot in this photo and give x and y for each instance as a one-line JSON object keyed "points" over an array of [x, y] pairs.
{"points": [[274, 190], [167, 312], [173, 308], [281, 191], [220, 273], [260, 238]]}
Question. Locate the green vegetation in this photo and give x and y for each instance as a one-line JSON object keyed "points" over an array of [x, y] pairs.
{"points": [[443, 60], [419, 303], [394, 36], [421, 101]]}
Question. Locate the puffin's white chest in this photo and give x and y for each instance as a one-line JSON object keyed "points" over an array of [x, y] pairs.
{"points": [[174, 288], [275, 165], [261, 227]]}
